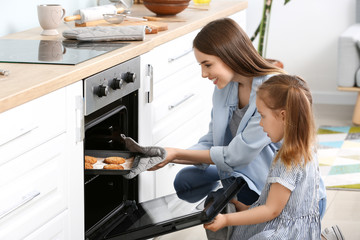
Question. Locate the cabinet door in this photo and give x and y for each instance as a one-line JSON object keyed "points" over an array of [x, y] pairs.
{"points": [[54, 229], [44, 177], [74, 155]]}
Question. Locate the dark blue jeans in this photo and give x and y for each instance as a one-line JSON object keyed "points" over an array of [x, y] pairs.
{"points": [[193, 184]]}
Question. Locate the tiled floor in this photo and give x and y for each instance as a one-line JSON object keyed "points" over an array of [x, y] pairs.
{"points": [[343, 207]]}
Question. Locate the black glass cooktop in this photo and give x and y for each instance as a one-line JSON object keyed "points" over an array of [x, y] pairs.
{"points": [[67, 52]]}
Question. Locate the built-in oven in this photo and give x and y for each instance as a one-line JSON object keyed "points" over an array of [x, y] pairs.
{"points": [[112, 210]]}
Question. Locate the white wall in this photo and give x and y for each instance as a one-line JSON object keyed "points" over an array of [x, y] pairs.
{"points": [[304, 35], [20, 15]]}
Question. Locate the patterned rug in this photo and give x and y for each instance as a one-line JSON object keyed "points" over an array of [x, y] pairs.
{"points": [[339, 157]]}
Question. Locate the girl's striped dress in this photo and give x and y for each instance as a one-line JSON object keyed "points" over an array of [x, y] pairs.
{"points": [[300, 219]]}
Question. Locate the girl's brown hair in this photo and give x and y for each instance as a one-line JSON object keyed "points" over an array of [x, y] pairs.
{"points": [[225, 39], [292, 94]]}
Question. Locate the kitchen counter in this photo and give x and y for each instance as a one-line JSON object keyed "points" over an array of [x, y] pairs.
{"points": [[30, 81]]}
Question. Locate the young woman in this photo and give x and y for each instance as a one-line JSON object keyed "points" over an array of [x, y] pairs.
{"points": [[235, 144], [288, 205]]}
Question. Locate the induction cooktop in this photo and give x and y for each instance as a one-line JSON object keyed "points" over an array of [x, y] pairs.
{"points": [[67, 52]]}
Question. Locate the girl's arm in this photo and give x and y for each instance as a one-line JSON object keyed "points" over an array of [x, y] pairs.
{"points": [[239, 205], [184, 156], [275, 203]]}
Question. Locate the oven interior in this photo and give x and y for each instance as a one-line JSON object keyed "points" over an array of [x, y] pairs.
{"points": [[107, 193]]}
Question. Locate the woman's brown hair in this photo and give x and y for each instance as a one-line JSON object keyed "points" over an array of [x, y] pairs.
{"points": [[292, 94], [225, 39]]}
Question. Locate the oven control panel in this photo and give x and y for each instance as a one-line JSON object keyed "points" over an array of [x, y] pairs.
{"points": [[111, 84]]}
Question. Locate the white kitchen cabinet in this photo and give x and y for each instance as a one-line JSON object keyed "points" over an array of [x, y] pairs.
{"points": [[179, 109], [41, 168]]}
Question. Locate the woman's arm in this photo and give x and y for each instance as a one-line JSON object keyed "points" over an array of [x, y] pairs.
{"points": [[275, 203], [184, 156]]}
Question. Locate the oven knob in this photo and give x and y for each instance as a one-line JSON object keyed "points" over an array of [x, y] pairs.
{"points": [[129, 77], [102, 91], [117, 83]]}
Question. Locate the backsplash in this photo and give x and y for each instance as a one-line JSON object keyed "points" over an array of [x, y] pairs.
{"points": [[20, 15]]}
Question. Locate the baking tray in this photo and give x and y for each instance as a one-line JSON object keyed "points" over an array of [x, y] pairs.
{"points": [[102, 154]]}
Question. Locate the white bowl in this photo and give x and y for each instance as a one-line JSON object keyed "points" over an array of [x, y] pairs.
{"points": [[114, 18]]}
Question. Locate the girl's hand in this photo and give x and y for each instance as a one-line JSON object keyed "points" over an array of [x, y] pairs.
{"points": [[218, 223], [170, 156], [239, 205]]}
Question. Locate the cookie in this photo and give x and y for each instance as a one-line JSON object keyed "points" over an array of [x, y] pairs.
{"points": [[89, 159], [113, 166], [114, 160], [88, 165]]}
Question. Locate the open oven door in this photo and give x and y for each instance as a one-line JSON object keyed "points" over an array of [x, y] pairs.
{"points": [[162, 215]]}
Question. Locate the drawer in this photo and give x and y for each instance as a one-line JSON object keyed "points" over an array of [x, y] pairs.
{"points": [[43, 174], [172, 56], [164, 179], [178, 101], [184, 137], [54, 229], [31, 124], [189, 133]]}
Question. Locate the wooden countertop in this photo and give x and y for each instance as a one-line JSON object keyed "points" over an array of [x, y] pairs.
{"points": [[29, 81]]}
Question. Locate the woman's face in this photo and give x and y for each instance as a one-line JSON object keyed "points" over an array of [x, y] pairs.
{"points": [[213, 68], [272, 123]]}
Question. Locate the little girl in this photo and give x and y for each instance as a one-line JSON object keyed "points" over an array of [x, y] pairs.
{"points": [[288, 205]]}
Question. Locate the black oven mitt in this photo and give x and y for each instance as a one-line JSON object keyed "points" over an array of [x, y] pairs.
{"points": [[145, 157]]}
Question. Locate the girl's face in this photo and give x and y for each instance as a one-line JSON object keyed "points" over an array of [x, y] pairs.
{"points": [[272, 122], [213, 68]]}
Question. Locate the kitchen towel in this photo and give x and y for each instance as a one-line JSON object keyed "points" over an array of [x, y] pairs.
{"points": [[146, 157], [101, 33]]}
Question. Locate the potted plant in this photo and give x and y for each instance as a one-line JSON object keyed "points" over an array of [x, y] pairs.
{"points": [[263, 30]]}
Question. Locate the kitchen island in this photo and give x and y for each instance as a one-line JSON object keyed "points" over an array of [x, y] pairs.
{"points": [[30, 81]]}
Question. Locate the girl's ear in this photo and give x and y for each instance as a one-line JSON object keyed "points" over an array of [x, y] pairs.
{"points": [[282, 115]]}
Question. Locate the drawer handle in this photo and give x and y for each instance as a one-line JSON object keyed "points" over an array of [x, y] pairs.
{"points": [[181, 101], [16, 134], [28, 197], [179, 56]]}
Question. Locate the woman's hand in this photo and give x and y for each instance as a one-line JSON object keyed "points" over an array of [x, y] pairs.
{"points": [[218, 223], [170, 156]]}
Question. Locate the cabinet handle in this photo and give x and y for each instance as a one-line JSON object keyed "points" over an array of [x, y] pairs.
{"points": [[181, 101], [149, 83], [79, 115], [179, 56], [5, 138], [28, 197]]}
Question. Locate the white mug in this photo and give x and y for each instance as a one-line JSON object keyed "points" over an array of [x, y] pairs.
{"points": [[50, 17]]}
